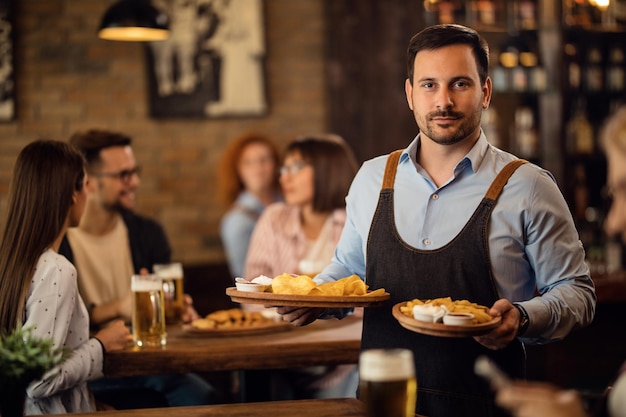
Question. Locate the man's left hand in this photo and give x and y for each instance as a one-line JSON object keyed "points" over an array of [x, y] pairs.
{"points": [[504, 334]]}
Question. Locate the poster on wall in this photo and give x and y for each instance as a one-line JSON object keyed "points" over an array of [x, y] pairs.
{"points": [[7, 84], [212, 64]]}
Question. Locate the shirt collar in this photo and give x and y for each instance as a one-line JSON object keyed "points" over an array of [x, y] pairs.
{"points": [[473, 159]]}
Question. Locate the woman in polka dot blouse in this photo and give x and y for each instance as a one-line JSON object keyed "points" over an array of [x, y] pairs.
{"points": [[38, 286]]}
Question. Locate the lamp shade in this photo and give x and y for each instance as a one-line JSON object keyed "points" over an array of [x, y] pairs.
{"points": [[134, 20]]}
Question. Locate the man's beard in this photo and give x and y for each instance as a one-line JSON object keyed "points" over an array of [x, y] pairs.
{"points": [[451, 135]]}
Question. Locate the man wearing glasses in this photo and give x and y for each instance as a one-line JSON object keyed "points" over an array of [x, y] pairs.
{"points": [[112, 243]]}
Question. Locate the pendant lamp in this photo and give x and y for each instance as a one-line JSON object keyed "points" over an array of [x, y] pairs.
{"points": [[134, 20]]}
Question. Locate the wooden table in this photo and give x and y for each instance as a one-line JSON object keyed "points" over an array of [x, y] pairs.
{"points": [[343, 407], [325, 342]]}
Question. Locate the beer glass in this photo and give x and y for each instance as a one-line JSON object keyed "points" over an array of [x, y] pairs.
{"points": [[387, 382], [148, 311], [172, 278]]}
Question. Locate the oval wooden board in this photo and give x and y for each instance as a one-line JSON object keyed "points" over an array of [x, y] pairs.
{"points": [[278, 326], [271, 299], [440, 329]]}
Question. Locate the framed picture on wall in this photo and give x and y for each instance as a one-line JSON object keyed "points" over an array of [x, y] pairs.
{"points": [[212, 64], [7, 83]]}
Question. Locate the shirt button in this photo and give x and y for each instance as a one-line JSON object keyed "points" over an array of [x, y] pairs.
{"points": [[435, 196], [426, 242]]}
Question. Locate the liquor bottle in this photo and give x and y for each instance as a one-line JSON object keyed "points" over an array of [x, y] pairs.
{"points": [[579, 132], [572, 51], [615, 74], [446, 10], [594, 74], [489, 124], [525, 134], [526, 14]]}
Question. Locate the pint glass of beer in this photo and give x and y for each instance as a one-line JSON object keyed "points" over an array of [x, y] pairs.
{"points": [[148, 312], [387, 382], [172, 278]]}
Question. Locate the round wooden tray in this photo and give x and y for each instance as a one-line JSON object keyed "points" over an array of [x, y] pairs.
{"points": [[440, 329], [271, 299], [278, 326]]}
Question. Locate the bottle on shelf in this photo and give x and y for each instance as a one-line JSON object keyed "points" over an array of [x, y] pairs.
{"points": [[579, 132], [525, 133], [572, 52], [525, 14], [489, 124], [594, 73], [615, 73]]}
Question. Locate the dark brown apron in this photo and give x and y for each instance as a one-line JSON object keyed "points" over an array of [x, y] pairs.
{"points": [[447, 385]]}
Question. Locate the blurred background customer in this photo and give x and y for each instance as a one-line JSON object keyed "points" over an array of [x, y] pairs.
{"points": [[299, 236], [110, 244], [247, 183], [38, 288]]}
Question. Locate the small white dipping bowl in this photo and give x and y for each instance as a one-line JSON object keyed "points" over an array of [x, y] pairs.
{"points": [[429, 313], [458, 319], [250, 287]]}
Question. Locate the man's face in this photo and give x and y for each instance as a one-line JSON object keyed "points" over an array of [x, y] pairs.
{"points": [[615, 223], [115, 181], [446, 96]]}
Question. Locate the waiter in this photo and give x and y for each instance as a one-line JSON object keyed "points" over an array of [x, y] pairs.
{"points": [[451, 215]]}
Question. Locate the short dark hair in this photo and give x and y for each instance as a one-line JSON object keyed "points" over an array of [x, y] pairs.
{"points": [[334, 165], [438, 36], [92, 141]]}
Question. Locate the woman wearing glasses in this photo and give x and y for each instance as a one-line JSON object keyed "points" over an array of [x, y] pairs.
{"points": [[299, 236]]}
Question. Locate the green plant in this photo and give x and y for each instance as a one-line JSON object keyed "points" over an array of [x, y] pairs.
{"points": [[24, 357]]}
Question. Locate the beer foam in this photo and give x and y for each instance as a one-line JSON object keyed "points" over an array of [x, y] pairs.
{"points": [[169, 271], [146, 283], [386, 365]]}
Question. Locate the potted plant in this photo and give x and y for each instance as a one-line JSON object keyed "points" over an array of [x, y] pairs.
{"points": [[23, 359]]}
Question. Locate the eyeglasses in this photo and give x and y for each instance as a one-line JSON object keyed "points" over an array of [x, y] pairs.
{"points": [[293, 168], [124, 175]]}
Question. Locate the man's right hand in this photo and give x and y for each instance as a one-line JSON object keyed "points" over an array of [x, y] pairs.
{"points": [[299, 316]]}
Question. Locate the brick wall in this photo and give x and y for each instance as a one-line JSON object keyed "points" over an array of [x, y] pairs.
{"points": [[68, 80]]}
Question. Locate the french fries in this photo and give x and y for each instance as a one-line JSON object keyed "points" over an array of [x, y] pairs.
{"points": [[481, 313], [231, 318]]}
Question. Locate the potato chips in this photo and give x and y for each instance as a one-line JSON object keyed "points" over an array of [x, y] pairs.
{"points": [[481, 313], [304, 285]]}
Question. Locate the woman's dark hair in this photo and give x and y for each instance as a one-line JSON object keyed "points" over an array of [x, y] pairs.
{"points": [[438, 36], [334, 166], [45, 176]]}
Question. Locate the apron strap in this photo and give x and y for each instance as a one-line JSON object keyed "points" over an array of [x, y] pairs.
{"points": [[492, 193], [391, 168], [503, 176]]}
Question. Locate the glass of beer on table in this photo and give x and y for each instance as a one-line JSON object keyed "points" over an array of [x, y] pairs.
{"points": [[148, 318], [172, 278], [387, 383]]}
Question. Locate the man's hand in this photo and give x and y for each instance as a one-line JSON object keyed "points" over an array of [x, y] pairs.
{"points": [[534, 399], [504, 334], [189, 312], [299, 316]]}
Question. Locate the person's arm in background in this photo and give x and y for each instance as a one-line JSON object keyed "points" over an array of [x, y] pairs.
{"points": [[236, 230]]}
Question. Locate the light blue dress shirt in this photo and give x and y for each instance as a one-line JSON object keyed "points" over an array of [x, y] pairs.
{"points": [[533, 241]]}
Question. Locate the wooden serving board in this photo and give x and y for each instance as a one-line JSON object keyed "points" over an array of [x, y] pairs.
{"points": [[440, 329], [271, 299], [263, 328]]}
